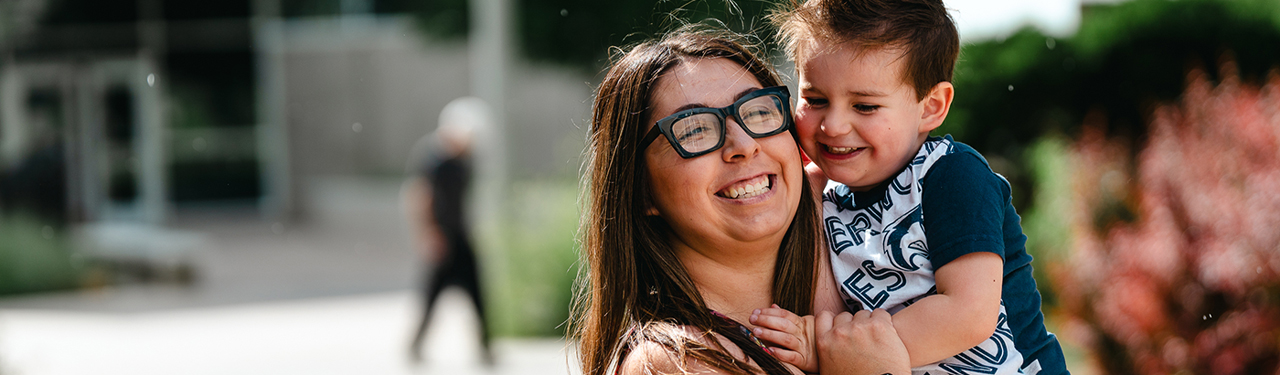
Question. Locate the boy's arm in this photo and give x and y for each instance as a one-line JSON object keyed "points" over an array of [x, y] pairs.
{"points": [[962, 315], [963, 211]]}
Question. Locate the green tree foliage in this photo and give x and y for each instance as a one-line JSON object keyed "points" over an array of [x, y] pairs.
{"points": [[1124, 59], [443, 18], [579, 32], [575, 32]]}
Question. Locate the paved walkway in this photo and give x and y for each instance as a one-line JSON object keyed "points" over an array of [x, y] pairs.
{"points": [[364, 334], [333, 295]]}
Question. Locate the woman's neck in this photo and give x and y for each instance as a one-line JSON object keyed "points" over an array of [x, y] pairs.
{"points": [[731, 283]]}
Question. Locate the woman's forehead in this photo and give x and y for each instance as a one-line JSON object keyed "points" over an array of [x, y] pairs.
{"points": [[705, 82]]}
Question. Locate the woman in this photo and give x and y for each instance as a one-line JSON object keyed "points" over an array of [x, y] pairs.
{"points": [[698, 214]]}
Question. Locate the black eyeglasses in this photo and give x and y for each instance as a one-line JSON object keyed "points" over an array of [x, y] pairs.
{"points": [[697, 131]]}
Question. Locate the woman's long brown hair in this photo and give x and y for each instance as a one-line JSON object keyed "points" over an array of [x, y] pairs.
{"points": [[634, 287]]}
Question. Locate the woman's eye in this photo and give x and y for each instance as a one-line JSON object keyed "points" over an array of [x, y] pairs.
{"points": [[759, 112], [690, 133], [865, 108]]}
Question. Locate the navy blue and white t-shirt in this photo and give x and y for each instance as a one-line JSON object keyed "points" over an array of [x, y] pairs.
{"points": [[886, 243]]}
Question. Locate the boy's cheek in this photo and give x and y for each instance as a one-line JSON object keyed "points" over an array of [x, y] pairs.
{"points": [[809, 148], [806, 131]]}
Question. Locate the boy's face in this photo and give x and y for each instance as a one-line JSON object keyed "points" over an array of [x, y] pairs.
{"points": [[857, 118]]}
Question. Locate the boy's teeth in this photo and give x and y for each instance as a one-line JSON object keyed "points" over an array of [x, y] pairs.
{"points": [[747, 190], [839, 150]]}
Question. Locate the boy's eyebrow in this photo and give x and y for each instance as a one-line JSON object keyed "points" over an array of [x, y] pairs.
{"points": [[868, 93], [854, 92]]}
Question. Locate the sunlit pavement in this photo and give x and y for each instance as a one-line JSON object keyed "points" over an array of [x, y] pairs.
{"points": [[346, 335], [334, 294]]}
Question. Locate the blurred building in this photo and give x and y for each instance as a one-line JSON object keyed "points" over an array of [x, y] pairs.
{"points": [[161, 105], [145, 110]]}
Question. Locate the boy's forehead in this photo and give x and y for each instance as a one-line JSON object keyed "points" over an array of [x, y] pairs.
{"points": [[886, 59]]}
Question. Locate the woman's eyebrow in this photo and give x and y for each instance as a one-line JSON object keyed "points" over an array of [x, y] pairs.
{"points": [[700, 105], [689, 106], [744, 93]]}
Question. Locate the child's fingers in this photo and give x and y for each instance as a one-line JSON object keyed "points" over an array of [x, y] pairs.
{"points": [[778, 312], [777, 323], [771, 315], [783, 339], [789, 356]]}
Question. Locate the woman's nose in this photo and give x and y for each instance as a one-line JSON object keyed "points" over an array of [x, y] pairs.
{"points": [[738, 145]]}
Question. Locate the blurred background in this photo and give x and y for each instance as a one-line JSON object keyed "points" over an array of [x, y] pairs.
{"points": [[218, 187]]}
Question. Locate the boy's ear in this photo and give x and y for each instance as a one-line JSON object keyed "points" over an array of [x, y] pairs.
{"points": [[936, 106]]}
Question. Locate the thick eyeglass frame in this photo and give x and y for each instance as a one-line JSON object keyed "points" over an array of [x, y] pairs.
{"points": [[663, 126]]}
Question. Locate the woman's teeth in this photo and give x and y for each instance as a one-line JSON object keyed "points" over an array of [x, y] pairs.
{"points": [[841, 150], [747, 189]]}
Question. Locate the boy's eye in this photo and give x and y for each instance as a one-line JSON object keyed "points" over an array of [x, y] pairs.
{"points": [[815, 101], [865, 108]]}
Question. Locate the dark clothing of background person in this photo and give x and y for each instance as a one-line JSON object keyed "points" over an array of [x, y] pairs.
{"points": [[449, 178]]}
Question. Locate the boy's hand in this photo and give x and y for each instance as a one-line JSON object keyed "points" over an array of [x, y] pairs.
{"points": [[861, 343], [793, 335]]}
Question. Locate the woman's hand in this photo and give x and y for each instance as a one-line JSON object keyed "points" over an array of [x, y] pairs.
{"points": [[793, 335], [859, 344]]}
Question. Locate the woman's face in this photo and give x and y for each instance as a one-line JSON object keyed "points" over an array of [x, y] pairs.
{"points": [[693, 195]]}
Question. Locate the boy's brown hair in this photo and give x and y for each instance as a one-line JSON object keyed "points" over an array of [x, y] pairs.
{"points": [[922, 28]]}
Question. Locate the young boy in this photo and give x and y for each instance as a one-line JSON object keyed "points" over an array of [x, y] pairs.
{"points": [[916, 225]]}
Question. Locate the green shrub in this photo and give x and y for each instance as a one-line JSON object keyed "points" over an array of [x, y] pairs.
{"points": [[35, 257], [531, 265]]}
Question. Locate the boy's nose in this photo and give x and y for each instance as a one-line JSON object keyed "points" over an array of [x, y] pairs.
{"points": [[836, 124]]}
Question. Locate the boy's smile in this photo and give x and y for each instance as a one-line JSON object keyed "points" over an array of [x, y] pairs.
{"points": [[858, 118]]}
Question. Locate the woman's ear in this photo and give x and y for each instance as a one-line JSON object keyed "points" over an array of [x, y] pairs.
{"points": [[936, 106]]}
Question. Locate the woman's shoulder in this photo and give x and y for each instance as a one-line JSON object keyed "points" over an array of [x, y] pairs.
{"points": [[649, 355]]}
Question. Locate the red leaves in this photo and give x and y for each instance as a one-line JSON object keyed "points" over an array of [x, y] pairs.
{"points": [[1187, 276]]}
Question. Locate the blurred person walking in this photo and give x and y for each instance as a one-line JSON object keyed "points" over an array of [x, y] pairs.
{"points": [[436, 199]]}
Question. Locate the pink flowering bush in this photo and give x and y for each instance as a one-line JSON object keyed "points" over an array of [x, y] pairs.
{"points": [[1174, 255]]}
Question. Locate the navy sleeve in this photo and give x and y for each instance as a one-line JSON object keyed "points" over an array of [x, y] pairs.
{"points": [[963, 208]]}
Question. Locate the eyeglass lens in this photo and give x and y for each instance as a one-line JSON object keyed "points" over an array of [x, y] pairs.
{"points": [[701, 132]]}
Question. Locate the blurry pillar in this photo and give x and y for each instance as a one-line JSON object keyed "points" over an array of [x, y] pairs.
{"points": [[272, 133], [490, 41], [152, 104]]}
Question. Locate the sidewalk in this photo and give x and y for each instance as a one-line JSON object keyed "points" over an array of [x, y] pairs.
{"points": [[365, 334], [335, 294]]}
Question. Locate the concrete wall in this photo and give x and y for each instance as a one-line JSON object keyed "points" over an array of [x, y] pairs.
{"points": [[382, 74]]}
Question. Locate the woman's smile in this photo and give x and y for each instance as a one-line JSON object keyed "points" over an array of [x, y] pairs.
{"points": [[745, 189]]}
